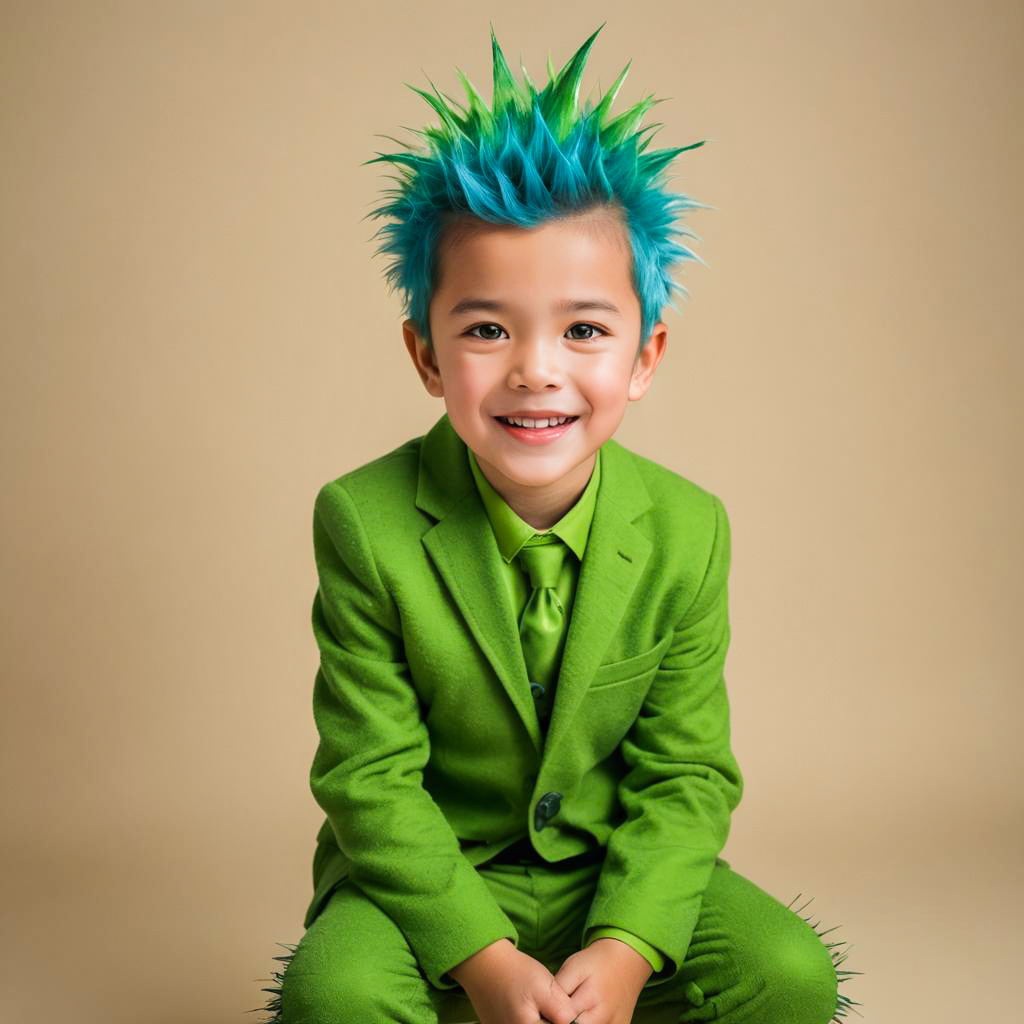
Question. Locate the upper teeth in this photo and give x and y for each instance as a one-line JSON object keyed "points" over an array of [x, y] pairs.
{"points": [[521, 422]]}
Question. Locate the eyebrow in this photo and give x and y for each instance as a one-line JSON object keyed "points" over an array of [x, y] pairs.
{"points": [[566, 306]]}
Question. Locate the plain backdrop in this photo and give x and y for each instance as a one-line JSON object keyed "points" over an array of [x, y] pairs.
{"points": [[197, 336]]}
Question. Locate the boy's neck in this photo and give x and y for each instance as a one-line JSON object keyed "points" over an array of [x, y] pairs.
{"points": [[541, 507]]}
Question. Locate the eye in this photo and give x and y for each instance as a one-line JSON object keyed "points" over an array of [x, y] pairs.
{"points": [[484, 327], [588, 327]]}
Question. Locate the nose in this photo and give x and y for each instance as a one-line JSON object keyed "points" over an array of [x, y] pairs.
{"points": [[536, 363]]}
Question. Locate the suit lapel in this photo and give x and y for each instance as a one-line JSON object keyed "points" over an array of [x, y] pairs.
{"points": [[614, 560], [462, 545]]}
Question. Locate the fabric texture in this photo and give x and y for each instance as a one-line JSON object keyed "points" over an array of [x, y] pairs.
{"points": [[750, 958], [432, 758], [516, 539], [543, 621]]}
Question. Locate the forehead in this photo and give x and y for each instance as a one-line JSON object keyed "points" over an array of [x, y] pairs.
{"points": [[584, 253]]}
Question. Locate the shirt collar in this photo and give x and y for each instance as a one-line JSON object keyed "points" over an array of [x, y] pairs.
{"points": [[511, 532]]}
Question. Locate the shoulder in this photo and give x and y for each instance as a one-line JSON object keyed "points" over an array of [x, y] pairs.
{"points": [[366, 518], [690, 532], [377, 487], [680, 507]]}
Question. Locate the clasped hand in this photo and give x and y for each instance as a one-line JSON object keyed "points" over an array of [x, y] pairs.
{"points": [[598, 985]]}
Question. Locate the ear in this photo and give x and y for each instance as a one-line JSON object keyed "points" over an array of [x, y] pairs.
{"points": [[647, 360], [423, 359]]}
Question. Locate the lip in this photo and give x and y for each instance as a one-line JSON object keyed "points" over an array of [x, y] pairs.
{"points": [[537, 414], [533, 436]]}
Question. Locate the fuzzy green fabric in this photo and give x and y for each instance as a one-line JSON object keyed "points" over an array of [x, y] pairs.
{"points": [[844, 1004], [432, 758]]}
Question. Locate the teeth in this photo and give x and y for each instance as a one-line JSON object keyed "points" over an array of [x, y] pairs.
{"points": [[535, 424]]}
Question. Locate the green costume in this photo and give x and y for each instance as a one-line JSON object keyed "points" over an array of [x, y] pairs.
{"points": [[436, 756]]}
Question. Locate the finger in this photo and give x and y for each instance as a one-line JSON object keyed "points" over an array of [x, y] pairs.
{"points": [[557, 1007], [570, 976], [583, 1005]]}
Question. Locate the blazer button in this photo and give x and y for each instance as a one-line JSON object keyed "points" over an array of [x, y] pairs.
{"points": [[537, 690], [546, 809]]}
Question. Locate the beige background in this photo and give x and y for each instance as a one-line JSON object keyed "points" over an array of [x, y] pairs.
{"points": [[197, 336]]}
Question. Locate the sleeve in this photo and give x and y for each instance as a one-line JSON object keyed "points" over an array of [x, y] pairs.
{"points": [[682, 783], [368, 768], [645, 949]]}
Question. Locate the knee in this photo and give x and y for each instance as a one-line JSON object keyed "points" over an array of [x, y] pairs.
{"points": [[353, 963], [317, 992], [800, 978]]}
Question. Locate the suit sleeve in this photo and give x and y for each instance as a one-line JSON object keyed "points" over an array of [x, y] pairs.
{"points": [[645, 949], [367, 772], [682, 783]]}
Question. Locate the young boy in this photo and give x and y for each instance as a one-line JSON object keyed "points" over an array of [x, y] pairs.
{"points": [[524, 753]]}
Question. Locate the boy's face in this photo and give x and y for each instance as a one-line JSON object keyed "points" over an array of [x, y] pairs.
{"points": [[507, 342]]}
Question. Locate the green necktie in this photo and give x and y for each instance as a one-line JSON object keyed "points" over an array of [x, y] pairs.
{"points": [[542, 623]]}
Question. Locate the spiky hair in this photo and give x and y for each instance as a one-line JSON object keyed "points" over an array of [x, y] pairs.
{"points": [[529, 158]]}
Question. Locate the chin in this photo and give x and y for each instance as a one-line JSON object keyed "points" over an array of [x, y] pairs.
{"points": [[527, 475]]}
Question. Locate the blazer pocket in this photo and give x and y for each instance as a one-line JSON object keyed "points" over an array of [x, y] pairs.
{"points": [[629, 668]]}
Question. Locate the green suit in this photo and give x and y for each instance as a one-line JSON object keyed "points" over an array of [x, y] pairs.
{"points": [[432, 758], [572, 531]]}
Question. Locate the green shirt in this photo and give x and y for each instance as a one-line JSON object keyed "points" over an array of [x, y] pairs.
{"points": [[511, 533]]}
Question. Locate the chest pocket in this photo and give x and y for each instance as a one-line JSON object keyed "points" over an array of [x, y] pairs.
{"points": [[623, 671]]}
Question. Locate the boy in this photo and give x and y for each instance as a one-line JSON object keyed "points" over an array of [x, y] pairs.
{"points": [[524, 752]]}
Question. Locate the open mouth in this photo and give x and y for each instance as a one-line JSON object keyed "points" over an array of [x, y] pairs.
{"points": [[537, 424]]}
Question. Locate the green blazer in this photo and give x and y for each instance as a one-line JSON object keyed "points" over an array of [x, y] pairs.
{"points": [[431, 757]]}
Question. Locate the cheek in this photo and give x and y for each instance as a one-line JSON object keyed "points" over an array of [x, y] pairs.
{"points": [[467, 380], [606, 386]]}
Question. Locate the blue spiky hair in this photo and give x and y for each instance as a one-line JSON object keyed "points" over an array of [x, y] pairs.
{"points": [[530, 158]]}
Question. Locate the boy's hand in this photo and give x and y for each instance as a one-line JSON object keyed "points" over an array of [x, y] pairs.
{"points": [[507, 986], [604, 981]]}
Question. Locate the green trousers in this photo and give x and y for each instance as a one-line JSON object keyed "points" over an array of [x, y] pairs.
{"points": [[750, 958]]}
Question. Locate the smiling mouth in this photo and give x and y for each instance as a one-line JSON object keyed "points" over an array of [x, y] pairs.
{"points": [[561, 423]]}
